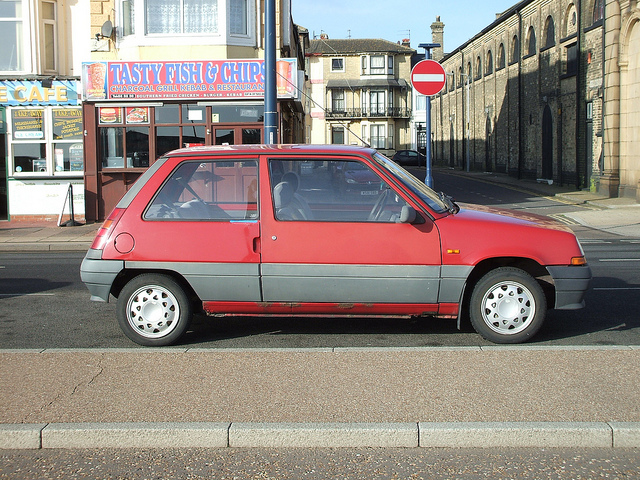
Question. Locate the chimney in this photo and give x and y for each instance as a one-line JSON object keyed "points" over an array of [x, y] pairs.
{"points": [[437, 36], [406, 42], [324, 36]]}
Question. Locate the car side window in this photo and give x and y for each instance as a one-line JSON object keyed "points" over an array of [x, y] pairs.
{"points": [[331, 191], [208, 190]]}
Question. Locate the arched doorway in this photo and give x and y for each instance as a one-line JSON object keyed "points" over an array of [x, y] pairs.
{"points": [[630, 117], [488, 147], [547, 144]]}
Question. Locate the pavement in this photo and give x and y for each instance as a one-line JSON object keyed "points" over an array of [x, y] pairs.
{"points": [[483, 396]]}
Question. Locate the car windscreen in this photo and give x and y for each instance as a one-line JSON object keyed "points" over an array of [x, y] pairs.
{"points": [[411, 183]]}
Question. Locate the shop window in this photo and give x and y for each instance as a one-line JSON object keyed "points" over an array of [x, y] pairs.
{"points": [[225, 136], [11, 36], [46, 141], [127, 144], [181, 16], [251, 136], [167, 139]]}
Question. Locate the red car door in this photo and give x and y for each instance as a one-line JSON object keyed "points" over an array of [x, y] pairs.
{"points": [[332, 233]]}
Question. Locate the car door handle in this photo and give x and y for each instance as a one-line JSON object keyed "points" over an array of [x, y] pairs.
{"points": [[256, 245]]}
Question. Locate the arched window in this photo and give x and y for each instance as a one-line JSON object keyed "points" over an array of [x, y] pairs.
{"points": [[515, 49], [469, 71], [549, 32], [488, 64], [598, 10], [531, 41], [571, 21], [501, 60], [478, 67], [460, 79]]}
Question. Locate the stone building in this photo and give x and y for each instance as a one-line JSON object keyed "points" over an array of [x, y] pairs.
{"points": [[525, 95], [360, 93]]}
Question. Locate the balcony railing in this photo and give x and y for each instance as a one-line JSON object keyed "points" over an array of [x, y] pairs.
{"points": [[395, 112]]}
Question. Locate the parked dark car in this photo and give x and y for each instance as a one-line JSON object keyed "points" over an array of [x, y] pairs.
{"points": [[409, 157]]}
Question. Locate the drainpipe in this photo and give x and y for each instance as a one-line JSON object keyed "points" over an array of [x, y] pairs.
{"points": [[520, 129]]}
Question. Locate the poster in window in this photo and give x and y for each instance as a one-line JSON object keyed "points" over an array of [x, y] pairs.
{"points": [[137, 115], [27, 124], [67, 124], [109, 115]]}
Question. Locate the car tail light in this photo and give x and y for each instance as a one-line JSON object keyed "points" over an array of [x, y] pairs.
{"points": [[105, 230]]}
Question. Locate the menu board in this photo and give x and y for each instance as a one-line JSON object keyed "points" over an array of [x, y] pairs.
{"points": [[67, 124], [27, 124], [108, 115]]}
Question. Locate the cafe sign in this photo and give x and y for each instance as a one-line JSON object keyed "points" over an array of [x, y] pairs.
{"points": [[31, 93], [206, 79]]}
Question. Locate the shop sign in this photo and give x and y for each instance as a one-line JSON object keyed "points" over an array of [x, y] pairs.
{"points": [[207, 79], [67, 123], [27, 92], [27, 124]]}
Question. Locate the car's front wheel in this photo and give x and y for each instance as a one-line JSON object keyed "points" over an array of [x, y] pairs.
{"points": [[153, 310], [507, 306]]}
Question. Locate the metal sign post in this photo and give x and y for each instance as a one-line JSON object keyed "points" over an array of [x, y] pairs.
{"points": [[428, 77], [270, 92]]}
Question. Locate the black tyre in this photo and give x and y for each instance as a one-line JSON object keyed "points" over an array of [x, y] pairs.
{"points": [[507, 306], [153, 310]]}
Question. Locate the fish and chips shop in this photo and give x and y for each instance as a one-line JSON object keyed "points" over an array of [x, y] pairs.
{"points": [[41, 151], [135, 112]]}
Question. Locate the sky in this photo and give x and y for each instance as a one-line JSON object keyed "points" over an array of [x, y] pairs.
{"points": [[395, 20]]}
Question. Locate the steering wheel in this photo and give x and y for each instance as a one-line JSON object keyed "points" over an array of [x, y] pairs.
{"points": [[379, 206]]}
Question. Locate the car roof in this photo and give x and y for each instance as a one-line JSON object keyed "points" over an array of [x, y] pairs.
{"points": [[272, 149]]}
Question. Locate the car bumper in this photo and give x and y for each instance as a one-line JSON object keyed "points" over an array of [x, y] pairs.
{"points": [[98, 274], [571, 283]]}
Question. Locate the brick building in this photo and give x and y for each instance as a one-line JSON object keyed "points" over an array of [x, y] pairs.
{"points": [[360, 93], [525, 95]]}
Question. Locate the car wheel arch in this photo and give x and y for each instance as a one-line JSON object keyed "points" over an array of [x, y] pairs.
{"points": [[533, 268], [128, 274]]}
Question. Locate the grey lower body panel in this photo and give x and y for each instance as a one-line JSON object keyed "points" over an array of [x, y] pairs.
{"points": [[350, 283], [571, 284], [233, 282], [98, 275]]}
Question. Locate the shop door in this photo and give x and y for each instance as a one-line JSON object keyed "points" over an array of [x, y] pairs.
{"points": [[237, 135]]}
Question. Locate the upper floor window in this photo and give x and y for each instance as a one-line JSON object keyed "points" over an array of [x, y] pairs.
{"points": [[489, 63], [598, 10], [549, 32], [182, 16], [377, 66], [337, 64], [50, 35], [531, 41], [238, 17], [501, 60], [515, 49], [478, 67], [337, 100], [11, 36]]}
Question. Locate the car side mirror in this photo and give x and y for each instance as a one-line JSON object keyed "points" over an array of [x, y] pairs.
{"points": [[407, 215]]}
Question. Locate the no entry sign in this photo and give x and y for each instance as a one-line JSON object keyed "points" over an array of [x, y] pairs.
{"points": [[428, 77]]}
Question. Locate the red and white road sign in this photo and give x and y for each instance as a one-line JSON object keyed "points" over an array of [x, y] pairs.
{"points": [[428, 77]]}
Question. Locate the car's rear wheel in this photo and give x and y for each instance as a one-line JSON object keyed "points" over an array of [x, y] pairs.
{"points": [[507, 306], [153, 310]]}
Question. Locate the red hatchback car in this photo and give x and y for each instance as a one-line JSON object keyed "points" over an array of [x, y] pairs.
{"points": [[265, 230]]}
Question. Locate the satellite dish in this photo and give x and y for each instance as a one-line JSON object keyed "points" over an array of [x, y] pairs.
{"points": [[107, 29]]}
